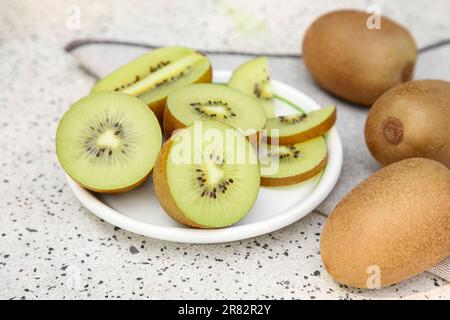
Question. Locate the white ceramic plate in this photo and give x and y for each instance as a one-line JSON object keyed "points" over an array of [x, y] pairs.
{"points": [[139, 211]]}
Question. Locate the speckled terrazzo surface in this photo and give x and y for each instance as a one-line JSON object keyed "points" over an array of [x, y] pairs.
{"points": [[51, 247]]}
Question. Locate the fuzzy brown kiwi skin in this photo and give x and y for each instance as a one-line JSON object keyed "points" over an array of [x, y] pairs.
{"points": [[411, 120], [399, 218], [316, 131], [162, 189], [170, 123], [158, 106], [286, 181], [349, 66]]}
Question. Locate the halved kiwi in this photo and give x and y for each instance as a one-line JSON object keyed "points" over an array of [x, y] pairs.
{"points": [[252, 77], [108, 142], [207, 175], [283, 165], [152, 76], [212, 102], [300, 127]]}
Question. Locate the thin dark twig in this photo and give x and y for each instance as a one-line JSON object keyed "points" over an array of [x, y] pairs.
{"points": [[435, 45], [83, 42]]}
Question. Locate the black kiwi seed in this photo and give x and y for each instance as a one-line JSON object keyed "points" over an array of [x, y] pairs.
{"points": [[293, 152], [211, 191], [198, 106], [292, 119], [94, 130], [171, 79], [153, 69], [158, 66], [258, 90]]}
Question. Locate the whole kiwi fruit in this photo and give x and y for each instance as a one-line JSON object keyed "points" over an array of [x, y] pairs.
{"points": [[355, 62], [392, 226], [411, 120]]}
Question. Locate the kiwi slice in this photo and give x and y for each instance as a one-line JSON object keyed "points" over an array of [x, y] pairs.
{"points": [[283, 165], [108, 142], [207, 175], [152, 76], [300, 127], [252, 77], [207, 101]]}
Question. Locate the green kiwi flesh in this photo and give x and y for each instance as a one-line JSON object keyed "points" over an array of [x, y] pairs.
{"points": [[221, 186], [154, 75], [108, 142], [213, 102], [290, 164], [301, 127], [252, 77]]}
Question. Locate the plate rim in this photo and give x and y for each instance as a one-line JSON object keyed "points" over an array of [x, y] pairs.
{"points": [[235, 232]]}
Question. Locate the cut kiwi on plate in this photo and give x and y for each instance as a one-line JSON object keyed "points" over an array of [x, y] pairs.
{"points": [[108, 142], [207, 175], [300, 127], [152, 76], [252, 77], [207, 101], [283, 165]]}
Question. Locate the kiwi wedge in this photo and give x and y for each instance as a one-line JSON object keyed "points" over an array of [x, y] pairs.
{"points": [[300, 127], [207, 101], [152, 76], [207, 175], [108, 142], [252, 77], [283, 165]]}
